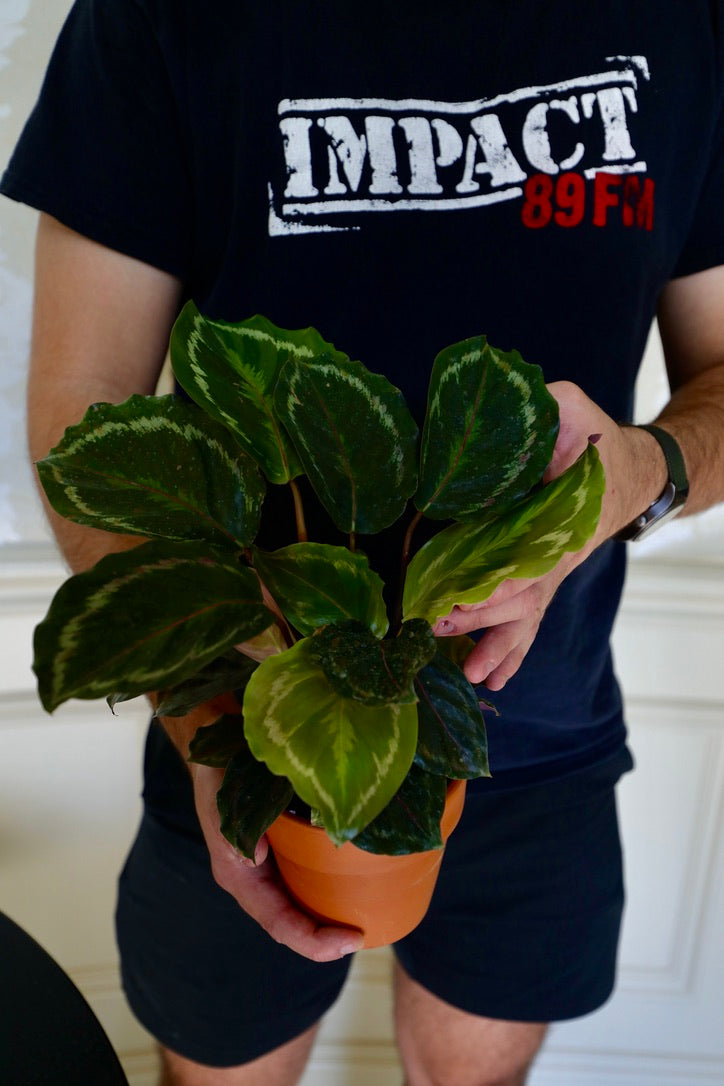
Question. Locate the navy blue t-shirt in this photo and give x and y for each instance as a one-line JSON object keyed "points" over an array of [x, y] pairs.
{"points": [[402, 177]]}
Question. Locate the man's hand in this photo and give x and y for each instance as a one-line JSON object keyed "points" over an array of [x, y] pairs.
{"points": [[511, 616], [257, 887]]}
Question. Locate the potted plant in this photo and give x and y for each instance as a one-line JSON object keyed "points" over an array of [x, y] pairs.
{"points": [[345, 703]]}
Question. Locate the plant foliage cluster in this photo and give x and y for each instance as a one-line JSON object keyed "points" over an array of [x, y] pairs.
{"points": [[364, 716]]}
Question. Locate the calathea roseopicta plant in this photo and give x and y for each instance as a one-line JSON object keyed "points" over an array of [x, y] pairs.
{"points": [[361, 715]]}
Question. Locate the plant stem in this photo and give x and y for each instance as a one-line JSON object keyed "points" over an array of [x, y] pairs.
{"points": [[407, 544], [404, 563], [298, 512], [352, 542]]}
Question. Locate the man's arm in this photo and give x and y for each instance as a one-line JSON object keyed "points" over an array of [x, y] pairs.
{"points": [[101, 327], [691, 321], [101, 322]]}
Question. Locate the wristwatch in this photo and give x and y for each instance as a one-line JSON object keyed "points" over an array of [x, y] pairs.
{"points": [[673, 496]]}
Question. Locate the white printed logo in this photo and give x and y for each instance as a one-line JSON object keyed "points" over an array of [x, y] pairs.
{"points": [[346, 157]]}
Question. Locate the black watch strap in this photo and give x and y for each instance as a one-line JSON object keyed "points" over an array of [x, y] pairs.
{"points": [[674, 458], [674, 494]]}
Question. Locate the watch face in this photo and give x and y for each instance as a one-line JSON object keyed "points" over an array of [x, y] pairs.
{"points": [[665, 508], [653, 525]]}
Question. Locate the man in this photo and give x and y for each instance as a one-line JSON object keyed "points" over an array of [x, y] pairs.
{"points": [[400, 179]]}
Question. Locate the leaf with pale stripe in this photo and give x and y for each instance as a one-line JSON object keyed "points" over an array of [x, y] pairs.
{"points": [[317, 583], [355, 437], [154, 466], [144, 619], [466, 562], [231, 371], [342, 757], [489, 431]]}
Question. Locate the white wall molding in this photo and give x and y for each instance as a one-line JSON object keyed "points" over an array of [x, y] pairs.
{"points": [[668, 645], [620, 1068], [670, 588]]}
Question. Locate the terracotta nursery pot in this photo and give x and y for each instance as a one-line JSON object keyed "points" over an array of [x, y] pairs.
{"points": [[385, 897]]}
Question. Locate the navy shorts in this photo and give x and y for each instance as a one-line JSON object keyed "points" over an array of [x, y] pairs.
{"points": [[524, 923]]}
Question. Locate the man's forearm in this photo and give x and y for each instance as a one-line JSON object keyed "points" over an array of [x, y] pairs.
{"points": [[695, 417]]}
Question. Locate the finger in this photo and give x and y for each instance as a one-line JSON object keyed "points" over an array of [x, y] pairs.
{"points": [[500, 652], [508, 588], [463, 622], [528, 602]]}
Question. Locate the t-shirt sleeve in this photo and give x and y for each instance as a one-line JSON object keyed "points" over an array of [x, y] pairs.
{"points": [[704, 246], [103, 150]]}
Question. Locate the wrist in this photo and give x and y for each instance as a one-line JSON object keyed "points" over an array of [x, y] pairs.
{"points": [[661, 484]]}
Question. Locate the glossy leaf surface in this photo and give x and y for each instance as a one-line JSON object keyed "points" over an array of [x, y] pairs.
{"points": [[231, 371], [216, 744], [451, 730], [466, 562], [249, 800], [228, 672], [154, 466], [144, 619], [411, 820], [489, 431], [355, 438], [358, 665], [316, 583], [342, 757]]}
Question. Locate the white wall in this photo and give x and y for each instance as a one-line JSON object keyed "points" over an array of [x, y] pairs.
{"points": [[69, 784]]}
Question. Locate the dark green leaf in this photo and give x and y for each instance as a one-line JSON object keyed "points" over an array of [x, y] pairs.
{"points": [[154, 466], [451, 731], [216, 744], [358, 665], [316, 583], [489, 432], [466, 562], [144, 619], [249, 800], [411, 820], [231, 371], [342, 757], [355, 438], [228, 672]]}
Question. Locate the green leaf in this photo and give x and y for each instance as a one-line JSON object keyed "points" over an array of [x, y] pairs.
{"points": [[489, 432], [411, 820], [154, 466], [316, 583], [451, 730], [230, 671], [216, 744], [144, 619], [466, 562], [345, 758], [358, 665], [355, 437], [249, 800], [231, 370]]}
